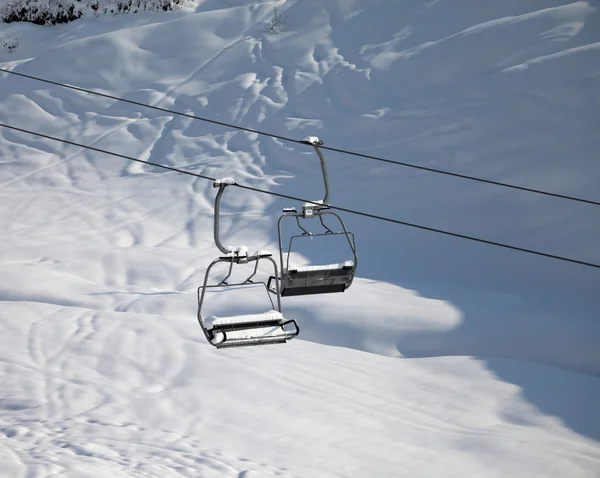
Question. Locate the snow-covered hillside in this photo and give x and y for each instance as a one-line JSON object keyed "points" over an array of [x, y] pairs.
{"points": [[444, 358]]}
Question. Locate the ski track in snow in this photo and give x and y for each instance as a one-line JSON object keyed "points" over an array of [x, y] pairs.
{"points": [[443, 359]]}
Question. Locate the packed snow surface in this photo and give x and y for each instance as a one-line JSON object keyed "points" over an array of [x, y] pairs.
{"points": [[445, 357]]}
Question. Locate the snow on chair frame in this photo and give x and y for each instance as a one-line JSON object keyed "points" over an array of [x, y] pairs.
{"points": [[319, 279], [269, 327]]}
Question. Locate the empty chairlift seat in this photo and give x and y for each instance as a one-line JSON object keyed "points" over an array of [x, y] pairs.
{"points": [[269, 327], [317, 279], [250, 329]]}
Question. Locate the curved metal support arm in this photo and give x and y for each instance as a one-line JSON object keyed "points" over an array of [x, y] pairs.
{"points": [[221, 187], [315, 143], [347, 234], [324, 170], [307, 233], [329, 231]]}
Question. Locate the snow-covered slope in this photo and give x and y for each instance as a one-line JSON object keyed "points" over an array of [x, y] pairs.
{"points": [[105, 371]]}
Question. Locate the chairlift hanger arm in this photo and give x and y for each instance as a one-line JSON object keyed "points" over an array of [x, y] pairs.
{"points": [[324, 170], [221, 184], [315, 143]]}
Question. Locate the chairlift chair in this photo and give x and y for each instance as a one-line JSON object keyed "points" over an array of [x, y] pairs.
{"points": [[315, 279], [243, 330]]}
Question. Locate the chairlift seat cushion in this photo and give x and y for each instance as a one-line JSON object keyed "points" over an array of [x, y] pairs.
{"points": [[250, 329], [326, 267], [301, 289], [245, 342], [320, 279], [269, 316], [264, 334]]}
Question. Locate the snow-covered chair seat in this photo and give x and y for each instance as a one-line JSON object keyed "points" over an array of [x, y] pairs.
{"points": [[317, 279], [250, 329], [268, 316], [263, 253], [347, 265]]}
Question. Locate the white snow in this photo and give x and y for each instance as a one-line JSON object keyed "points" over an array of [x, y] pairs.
{"points": [[227, 181], [237, 250], [312, 140], [445, 358], [262, 253], [553, 56]]}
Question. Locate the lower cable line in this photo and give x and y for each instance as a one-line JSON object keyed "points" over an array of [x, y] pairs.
{"points": [[294, 198]]}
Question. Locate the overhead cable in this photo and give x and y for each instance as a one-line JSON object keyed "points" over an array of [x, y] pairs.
{"points": [[294, 198], [288, 139]]}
